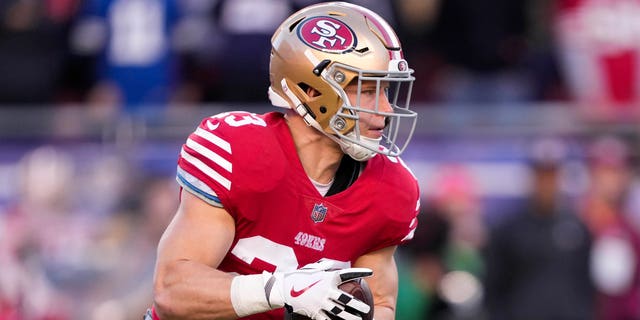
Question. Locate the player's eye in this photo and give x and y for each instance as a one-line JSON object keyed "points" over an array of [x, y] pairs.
{"points": [[369, 92]]}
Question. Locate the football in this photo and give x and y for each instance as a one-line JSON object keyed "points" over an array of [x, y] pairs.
{"points": [[357, 288]]}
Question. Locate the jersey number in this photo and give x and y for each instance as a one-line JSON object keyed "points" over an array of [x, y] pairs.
{"points": [[236, 119], [281, 257]]}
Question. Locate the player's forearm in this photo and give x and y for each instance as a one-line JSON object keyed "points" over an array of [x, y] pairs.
{"points": [[189, 290], [384, 313]]}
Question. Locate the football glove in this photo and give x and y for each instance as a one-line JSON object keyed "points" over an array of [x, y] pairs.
{"points": [[313, 291]]}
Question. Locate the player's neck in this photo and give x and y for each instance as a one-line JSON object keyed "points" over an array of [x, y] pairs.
{"points": [[319, 155]]}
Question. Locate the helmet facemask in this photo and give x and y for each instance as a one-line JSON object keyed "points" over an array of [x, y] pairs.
{"points": [[400, 121]]}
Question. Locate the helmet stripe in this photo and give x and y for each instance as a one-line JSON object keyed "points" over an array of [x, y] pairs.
{"points": [[390, 38]]}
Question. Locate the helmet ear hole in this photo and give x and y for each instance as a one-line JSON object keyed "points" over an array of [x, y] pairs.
{"points": [[323, 109], [309, 90]]}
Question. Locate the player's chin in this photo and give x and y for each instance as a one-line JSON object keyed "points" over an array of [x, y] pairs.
{"points": [[374, 133]]}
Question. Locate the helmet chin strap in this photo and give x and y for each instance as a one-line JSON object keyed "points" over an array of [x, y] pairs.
{"points": [[300, 107], [356, 151]]}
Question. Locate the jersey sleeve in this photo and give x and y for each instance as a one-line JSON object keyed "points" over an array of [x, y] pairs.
{"points": [[197, 187], [205, 164]]}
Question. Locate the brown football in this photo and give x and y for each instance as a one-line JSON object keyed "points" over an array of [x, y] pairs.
{"points": [[357, 288]]}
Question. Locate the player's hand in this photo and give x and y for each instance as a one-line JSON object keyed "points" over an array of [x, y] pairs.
{"points": [[313, 291]]}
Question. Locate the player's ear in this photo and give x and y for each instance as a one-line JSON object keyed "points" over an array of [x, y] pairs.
{"points": [[311, 92]]}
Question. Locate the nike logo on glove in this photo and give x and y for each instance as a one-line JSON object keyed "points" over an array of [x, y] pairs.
{"points": [[294, 293]]}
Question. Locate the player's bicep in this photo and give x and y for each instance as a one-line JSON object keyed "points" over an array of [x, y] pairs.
{"points": [[186, 282], [198, 232], [384, 282]]}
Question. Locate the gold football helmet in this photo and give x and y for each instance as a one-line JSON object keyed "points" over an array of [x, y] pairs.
{"points": [[328, 46]]}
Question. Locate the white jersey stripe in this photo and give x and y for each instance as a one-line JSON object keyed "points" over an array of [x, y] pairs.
{"points": [[410, 235], [224, 163], [206, 169], [224, 145]]}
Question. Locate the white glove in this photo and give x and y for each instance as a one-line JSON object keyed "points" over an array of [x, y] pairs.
{"points": [[313, 291]]}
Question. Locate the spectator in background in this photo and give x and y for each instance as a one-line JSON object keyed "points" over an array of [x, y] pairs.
{"points": [[456, 197], [245, 28], [442, 266], [615, 261], [537, 257], [200, 44], [132, 42], [598, 48], [43, 240], [482, 47], [422, 268], [33, 49], [128, 250], [415, 21]]}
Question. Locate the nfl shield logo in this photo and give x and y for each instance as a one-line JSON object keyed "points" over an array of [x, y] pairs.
{"points": [[318, 213]]}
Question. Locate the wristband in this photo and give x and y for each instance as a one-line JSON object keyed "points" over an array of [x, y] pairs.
{"points": [[249, 296]]}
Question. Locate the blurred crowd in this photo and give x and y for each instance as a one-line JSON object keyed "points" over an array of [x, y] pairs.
{"points": [[125, 55], [549, 228], [568, 247], [79, 224], [78, 235]]}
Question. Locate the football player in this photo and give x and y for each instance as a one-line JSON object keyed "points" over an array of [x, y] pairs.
{"points": [[278, 209]]}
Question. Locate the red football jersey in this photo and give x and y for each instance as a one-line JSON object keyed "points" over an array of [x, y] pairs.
{"points": [[249, 164]]}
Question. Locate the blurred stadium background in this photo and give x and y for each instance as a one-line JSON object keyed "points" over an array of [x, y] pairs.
{"points": [[97, 96]]}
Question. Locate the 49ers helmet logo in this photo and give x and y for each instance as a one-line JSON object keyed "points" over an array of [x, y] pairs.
{"points": [[327, 34]]}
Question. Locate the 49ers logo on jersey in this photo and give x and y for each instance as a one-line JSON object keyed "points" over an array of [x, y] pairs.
{"points": [[327, 34]]}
